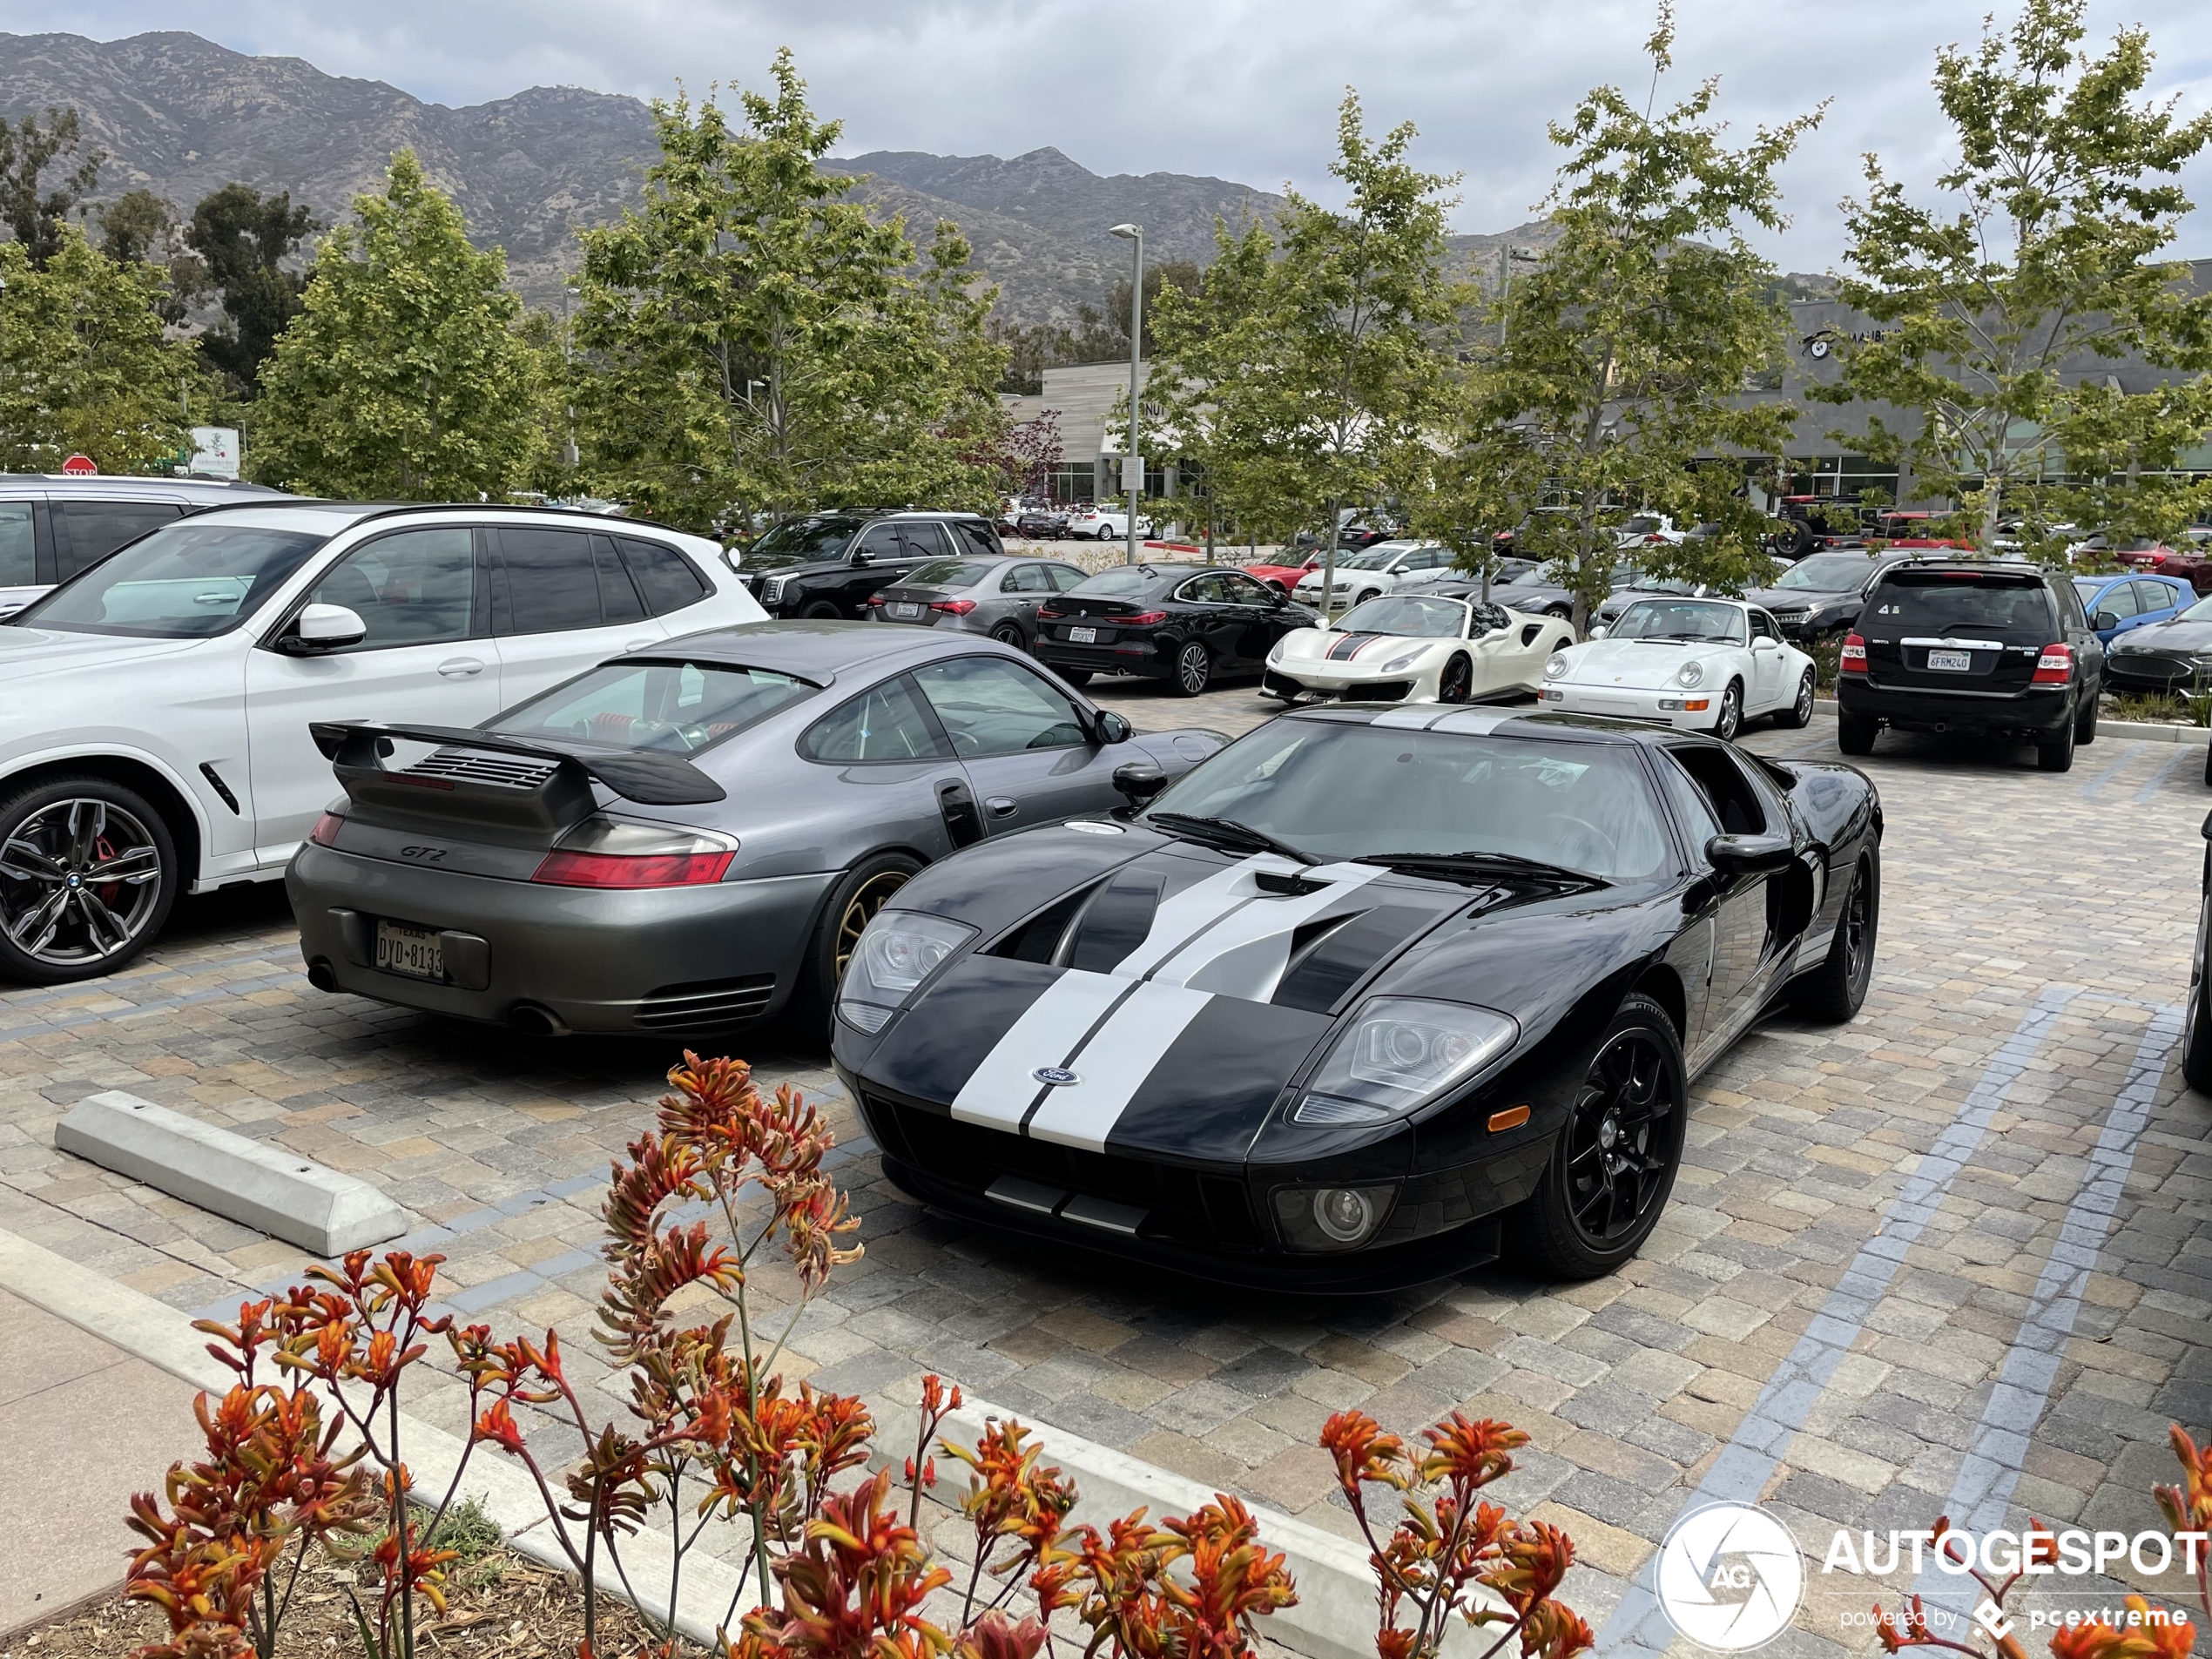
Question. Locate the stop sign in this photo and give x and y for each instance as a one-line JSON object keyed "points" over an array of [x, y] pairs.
{"points": [[79, 466]]}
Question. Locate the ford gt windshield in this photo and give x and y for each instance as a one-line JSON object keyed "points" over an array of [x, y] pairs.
{"points": [[1336, 791]]}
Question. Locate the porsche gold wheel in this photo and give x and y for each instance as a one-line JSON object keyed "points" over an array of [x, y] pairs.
{"points": [[1616, 1158], [1457, 681], [865, 889]]}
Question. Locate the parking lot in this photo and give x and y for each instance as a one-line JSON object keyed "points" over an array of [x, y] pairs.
{"points": [[1977, 1219]]}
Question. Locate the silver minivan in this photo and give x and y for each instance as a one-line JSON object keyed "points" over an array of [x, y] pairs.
{"points": [[52, 525]]}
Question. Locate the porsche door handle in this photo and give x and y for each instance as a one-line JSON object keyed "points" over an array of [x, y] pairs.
{"points": [[460, 668], [1002, 806]]}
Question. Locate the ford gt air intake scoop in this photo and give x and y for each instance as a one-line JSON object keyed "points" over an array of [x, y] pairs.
{"points": [[552, 792]]}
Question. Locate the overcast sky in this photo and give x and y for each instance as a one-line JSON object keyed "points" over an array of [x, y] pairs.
{"points": [[1243, 89]]}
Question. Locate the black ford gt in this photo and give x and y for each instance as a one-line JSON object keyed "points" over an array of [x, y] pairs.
{"points": [[1362, 1000]]}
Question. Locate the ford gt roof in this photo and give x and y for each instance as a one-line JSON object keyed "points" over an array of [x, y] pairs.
{"points": [[1480, 721]]}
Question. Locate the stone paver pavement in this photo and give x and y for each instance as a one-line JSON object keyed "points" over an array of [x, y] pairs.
{"points": [[2034, 928]]}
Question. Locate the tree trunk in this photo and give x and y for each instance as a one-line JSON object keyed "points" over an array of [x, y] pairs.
{"points": [[1329, 561]]}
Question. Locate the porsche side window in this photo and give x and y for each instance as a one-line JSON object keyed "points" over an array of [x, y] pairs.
{"points": [[1728, 792], [993, 707], [887, 724]]}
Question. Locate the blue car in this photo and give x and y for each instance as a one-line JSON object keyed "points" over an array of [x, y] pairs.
{"points": [[2119, 602]]}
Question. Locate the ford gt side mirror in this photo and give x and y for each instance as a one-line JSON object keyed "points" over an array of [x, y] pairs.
{"points": [[325, 628], [1748, 854], [2206, 831], [1140, 781], [1112, 728]]}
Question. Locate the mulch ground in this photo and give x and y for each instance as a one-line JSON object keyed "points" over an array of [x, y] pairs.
{"points": [[498, 1607]]}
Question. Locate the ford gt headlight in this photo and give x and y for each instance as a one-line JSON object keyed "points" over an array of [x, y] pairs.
{"points": [[897, 951], [1556, 667], [1400, 1052], [1690, 674]]}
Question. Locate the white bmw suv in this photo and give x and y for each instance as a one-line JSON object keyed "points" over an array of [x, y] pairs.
{"points": [[154, 708]]}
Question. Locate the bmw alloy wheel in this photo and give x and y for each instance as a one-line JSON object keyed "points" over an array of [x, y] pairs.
{"points": [[1193, 668], [80, 883]]}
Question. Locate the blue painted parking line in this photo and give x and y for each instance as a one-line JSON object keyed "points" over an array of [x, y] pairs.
{"points": [[2159, 777], [2090, 790], [1983, 1490], [1741, 1472]]}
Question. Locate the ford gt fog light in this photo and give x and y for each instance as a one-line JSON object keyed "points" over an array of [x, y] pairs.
{"points": [[1400, 1052], [1345, 1213], [1690, 674], [896, 952], [1330, 1217], [1556, 667]]}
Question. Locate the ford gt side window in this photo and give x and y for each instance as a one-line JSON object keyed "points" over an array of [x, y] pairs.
{"points": [[1699, 822], [887, 724], [1728, 791], [993, 707]]}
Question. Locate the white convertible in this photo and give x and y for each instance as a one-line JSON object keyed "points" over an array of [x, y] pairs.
{"points": [[1706, 665], [1416, 648]]}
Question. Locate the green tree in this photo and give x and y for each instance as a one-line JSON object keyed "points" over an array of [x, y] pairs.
{"points": [[85, 367], [1314, 363], [1627, 349], [1998, 307], [33, 212], [242, 239], [748, 336], [140, 227], [404, 376]]}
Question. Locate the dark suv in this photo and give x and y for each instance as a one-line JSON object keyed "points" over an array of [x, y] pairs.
{"points": [[827, 564], [1996, 647]]}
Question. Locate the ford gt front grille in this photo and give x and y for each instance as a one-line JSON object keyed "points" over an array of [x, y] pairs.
{"points": [[1211, 1212]]}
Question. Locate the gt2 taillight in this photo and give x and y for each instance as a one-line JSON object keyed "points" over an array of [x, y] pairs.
{"points": [[1853, 660], [1143, 619], [606, 852], [2054, 666], [325, 832], [954, 607]]}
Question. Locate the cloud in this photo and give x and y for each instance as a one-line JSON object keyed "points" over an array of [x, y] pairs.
{"points": [[1243, 89]]}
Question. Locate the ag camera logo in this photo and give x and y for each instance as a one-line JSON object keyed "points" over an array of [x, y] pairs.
{"points": [[1730, 1577]]}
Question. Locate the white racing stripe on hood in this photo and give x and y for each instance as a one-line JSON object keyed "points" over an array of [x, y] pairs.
{"points": [[1114, 1065], [1480, 723], [1245, 953], [1419, 719], [1002, 1089], [1219, 935]]}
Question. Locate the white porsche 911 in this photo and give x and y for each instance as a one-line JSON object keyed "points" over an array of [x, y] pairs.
{"points": [[1416, 648], [1704, 664]]}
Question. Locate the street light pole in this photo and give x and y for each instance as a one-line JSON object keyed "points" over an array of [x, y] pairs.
{"points": [[1133, 470]]}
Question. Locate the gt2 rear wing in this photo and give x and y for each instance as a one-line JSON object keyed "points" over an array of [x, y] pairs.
{"points": [[549, 796]]}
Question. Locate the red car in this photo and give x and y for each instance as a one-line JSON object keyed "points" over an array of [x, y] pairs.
{"points": [[1285, 576]]}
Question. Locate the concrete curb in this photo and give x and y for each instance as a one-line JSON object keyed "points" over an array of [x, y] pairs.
{"points": [[250, 1182], [1336, 1611], [162, 1336]]}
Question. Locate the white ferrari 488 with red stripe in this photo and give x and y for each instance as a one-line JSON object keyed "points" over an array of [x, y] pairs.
{"points": [[1416, 648]]}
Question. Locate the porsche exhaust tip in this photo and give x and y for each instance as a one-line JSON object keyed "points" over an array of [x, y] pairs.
{"points": [[322, 974], [533, 1020]]}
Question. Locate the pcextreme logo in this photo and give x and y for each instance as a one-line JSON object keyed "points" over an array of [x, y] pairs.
{"points": [[1730, 1577]]}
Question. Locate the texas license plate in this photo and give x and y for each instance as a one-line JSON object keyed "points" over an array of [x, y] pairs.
{"points": [[903, 613], [1082, 636], [1958, 662], [416, 952]]}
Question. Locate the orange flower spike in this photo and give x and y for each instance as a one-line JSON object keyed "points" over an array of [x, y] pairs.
{"points": [[1363, 1453], [1536, 1557], [1555, 1632], [496, 1424], [1472, 1453], [2189, 1506]]}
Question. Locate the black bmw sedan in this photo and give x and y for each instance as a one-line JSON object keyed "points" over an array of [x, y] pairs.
{"points": [[1188, 625], [1365, 998]]}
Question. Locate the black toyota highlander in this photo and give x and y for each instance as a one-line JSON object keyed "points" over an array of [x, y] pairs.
{"points": [[826, 564], [1996, 647]]}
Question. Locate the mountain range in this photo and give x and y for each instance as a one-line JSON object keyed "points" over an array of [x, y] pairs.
{"points": [[180, 116]]}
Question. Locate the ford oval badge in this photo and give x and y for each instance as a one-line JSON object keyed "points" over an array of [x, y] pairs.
{"points": [[1055, 1076]]}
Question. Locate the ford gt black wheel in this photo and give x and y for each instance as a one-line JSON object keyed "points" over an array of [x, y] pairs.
{"points": [[1614, 1162], [1456, 682], [88, 872], [1836, 989], [2197, 1036]]}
